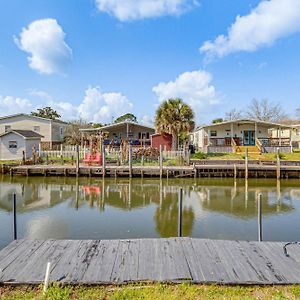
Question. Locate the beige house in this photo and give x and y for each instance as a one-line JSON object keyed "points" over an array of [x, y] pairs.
{"points": [[16, 144], [237, 135], [293, 133], [53, 131], [136, 134]]}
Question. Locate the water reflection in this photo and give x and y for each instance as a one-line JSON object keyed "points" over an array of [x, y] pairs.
{"points": [[129, 208]]}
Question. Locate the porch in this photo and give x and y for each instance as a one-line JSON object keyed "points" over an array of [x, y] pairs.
{"points": [[238, 135], [258, 145]]}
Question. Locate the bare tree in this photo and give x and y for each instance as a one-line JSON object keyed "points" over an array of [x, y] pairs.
{"points": [[233, 114], [73, 134], [265, 110]]}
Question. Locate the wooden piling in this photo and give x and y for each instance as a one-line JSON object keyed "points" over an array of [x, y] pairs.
{"points": [[130, 160], [246, 164], [77, 160], [160, 161], [278, 175], [234, 171], [103, 160]]}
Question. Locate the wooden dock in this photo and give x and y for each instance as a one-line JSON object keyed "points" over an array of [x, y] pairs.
{"points": [[221, 169], [149, 260]]}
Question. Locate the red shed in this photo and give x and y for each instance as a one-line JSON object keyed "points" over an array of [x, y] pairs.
{"points": [[163, 139]]}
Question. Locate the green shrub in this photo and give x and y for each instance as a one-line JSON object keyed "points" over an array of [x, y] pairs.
{"points": [[199, 155]]}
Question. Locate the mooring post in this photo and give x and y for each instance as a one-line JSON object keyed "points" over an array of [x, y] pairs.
{"points": [[259, 206], [180, 212], [278, 165], [130, 160], [77, 160], [234, 171], [15, 216], [160, 161], [246, 164], [103, 160], [47, 277]]}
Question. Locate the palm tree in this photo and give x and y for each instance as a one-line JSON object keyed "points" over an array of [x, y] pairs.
{"points": [[175, 117]]}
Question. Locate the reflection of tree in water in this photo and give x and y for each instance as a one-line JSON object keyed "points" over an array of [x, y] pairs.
{"points": [[166, 217]]}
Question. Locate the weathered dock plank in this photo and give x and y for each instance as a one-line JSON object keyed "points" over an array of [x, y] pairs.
{"points": [[172, 260]]}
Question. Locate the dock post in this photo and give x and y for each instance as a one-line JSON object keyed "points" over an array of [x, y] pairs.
{"points": [[15, 216], [259, 206], [130, 160], [47, 276], [103, 160], [234, 171], [180, 212], [246, 164], [77, 160], [160, 161], [278, 165]]}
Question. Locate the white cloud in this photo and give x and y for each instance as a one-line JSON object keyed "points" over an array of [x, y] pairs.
{"points": [[194, 88], [128, 10], [268, 22], [147, 120], [11, 105], [44, 40], [96, 107], [102, 107]]}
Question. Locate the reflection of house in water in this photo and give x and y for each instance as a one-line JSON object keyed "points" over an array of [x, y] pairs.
{"points": [[241, 201], [31, 194]]}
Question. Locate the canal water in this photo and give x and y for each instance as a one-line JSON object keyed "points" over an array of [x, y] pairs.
{"points": [[66, 208]]}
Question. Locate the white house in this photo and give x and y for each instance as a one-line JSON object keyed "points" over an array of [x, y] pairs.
{"points": [[237, 135], [53, 131], [16, 142], [293, 133]]}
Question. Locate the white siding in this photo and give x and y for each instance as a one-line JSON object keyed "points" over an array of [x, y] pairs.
{"points": [[7, 153]]}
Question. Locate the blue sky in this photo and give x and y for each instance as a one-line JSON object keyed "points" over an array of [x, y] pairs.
{"points": [[97, 59]]}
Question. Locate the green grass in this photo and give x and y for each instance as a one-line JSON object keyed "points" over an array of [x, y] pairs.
{"points": [[231, 156], [155, 292]]}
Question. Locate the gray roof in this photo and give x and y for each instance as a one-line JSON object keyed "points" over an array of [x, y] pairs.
{"points": [[119, 124], [27, 134], [31, 116]]}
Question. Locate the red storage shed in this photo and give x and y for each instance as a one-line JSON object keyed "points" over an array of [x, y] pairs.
{"points": [[163, 139]]}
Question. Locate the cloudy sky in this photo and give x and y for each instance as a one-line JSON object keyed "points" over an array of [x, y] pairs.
{"points": [[97, 59]]}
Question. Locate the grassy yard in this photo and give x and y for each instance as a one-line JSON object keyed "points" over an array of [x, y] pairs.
{"points": [[155, 292], [229, 156]]}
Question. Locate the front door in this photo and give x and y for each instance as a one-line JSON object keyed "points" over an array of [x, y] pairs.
{"points": [[249, 138]]}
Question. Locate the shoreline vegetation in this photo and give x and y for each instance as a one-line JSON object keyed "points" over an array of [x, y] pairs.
{"points": [[150, 291]]}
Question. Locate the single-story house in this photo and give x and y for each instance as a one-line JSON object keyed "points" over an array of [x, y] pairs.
{"points": [[53, 131], [293, 133], [237, 135], [136, 134], [16, 142]]}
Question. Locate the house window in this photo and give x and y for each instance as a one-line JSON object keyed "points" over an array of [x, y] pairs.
{"points": [[213, 133], [7, 128], [36, 128], [61, 131], [147, 135], [12, 145]]}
